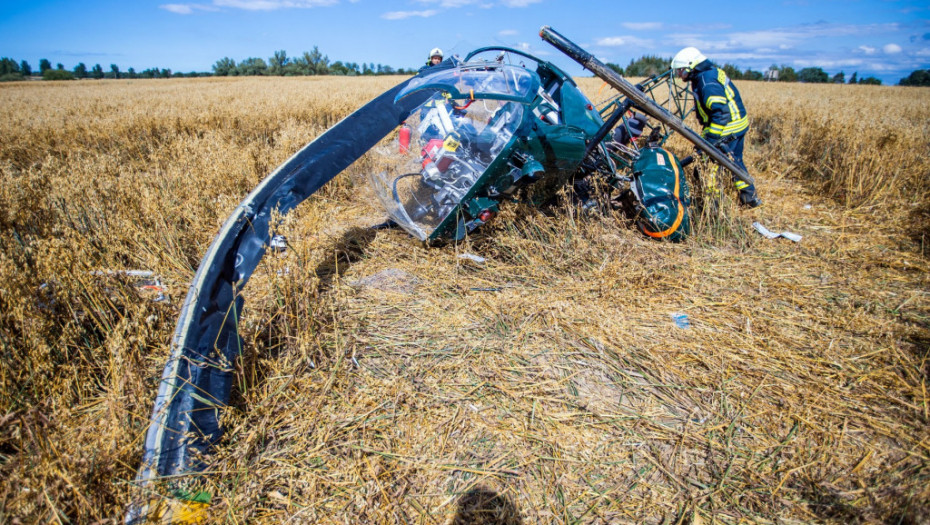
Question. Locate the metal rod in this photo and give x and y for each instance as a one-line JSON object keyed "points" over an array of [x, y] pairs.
{"points": [[640, 100]]}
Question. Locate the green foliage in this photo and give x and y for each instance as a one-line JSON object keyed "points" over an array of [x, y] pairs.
{"points": [[8, 66], [96, 72], [59, 66], [25, 68], [732, 71], [839, 78], [615, 67], [753, 75], [114, 72], [80, 70], [57, 74], [44, 65], [225, 67], [920, 77], [870, 81], [648, 65], [814, 75], [854, 78], [252, 66], [278, 63], [787, 74]]}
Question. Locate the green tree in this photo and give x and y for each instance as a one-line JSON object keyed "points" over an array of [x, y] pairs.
{"points": [[839, 78], [870, 81], [787, 74], [44, 65], [732, 71], [80, 70], [252, 67], [25, 68], [920, 77], [131, 73], [854, 78], [647, 65], [753, 75], [813, 75], [57, 74], [278, 63], [225, 67], [96, 72], [114, 72], [9, 70], [616, 68]]}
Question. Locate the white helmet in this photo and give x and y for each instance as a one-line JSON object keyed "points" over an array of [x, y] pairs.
{"points": [[687, 58], [436, 52]]}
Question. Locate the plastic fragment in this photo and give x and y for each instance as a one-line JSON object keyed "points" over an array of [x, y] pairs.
{"points": [[772, 235], [472, 257], [681, 320]]}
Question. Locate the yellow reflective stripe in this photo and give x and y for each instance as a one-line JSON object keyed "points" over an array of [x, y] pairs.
{"points": [[733, 127], [741, 185], [715, 99]]}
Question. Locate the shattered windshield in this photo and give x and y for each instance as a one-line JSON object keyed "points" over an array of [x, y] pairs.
{"points": [[483, 80], [442, 150]]}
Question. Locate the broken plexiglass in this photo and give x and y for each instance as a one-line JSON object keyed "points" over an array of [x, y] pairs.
{"points": [[451, 143]]}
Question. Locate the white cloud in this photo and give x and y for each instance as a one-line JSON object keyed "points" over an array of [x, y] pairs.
{"points": [[891, 49], [483, 4], [186, 9], [400, 15], [523, 46], [271, 5], [519, 3], [868, 50], [507, 32], [925, 52], [626, 40], [642, 26], [181, 9]]}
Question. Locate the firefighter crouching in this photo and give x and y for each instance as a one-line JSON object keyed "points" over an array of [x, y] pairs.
{"points": [[719, 109]]}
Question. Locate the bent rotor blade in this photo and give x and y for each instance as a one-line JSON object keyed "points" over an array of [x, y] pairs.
{"points": [[640, 100], [197, 379]]}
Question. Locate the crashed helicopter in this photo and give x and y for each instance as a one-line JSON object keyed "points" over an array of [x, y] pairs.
{"points": [[471, 133]]}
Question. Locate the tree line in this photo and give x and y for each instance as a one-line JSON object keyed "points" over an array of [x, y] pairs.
{"points": [[316, 63], [309, 63], [649, 65]]}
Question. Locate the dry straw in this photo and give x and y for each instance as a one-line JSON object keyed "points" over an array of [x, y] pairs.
{"points": [[383, 382]]}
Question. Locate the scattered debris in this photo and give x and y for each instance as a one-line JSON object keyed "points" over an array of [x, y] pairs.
{"points": [[472, 257], [278, 243], [681, 320], [772, 235], [145, 280]]}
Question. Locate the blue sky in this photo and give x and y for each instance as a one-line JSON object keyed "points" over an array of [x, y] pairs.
{"points": [[884, 38]]}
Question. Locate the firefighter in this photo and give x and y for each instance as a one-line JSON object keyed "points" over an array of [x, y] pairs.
{"points": [[719, 109], [435, 57]]}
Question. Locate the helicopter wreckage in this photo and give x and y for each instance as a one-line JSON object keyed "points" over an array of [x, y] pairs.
{"points": [[471, 133]]}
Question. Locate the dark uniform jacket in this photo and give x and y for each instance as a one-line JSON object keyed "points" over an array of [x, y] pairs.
{"points": [[719, 106]]}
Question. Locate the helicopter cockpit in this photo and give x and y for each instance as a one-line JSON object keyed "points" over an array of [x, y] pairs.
{"points": [[449, 142]]}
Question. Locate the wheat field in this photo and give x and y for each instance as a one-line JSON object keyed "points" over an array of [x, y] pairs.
{"points": [[385, 382]]}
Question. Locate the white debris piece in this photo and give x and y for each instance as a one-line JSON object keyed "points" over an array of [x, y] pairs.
{"points": [[472, 257], [772, 235]]}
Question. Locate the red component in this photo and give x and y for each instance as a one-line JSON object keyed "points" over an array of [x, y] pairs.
{"points": [[404, 138], [430, 151], [486, 215], [590, 107]]}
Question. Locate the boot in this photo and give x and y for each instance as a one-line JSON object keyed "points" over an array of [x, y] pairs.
{"points": [[748, 198]]}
